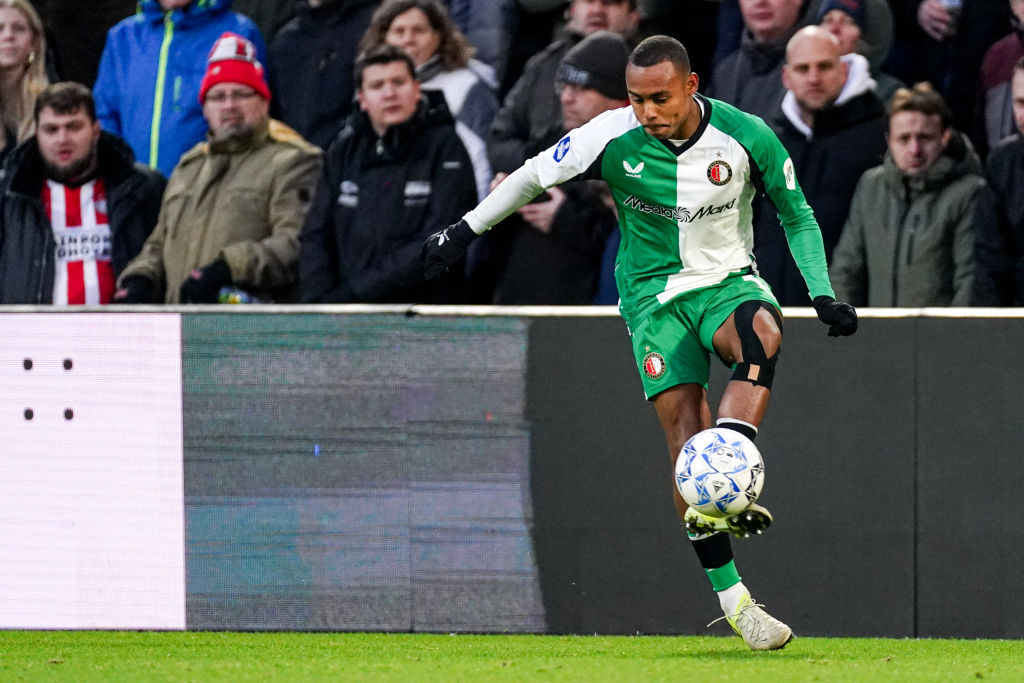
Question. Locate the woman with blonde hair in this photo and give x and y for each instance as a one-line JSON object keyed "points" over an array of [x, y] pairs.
{"points": [[22, 71], [444, 61]]}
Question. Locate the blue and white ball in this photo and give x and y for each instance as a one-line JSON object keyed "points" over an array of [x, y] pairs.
{"points": [[719, 472]]}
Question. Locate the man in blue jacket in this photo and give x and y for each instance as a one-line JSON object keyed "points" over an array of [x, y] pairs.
{"points": [[147, 91]]}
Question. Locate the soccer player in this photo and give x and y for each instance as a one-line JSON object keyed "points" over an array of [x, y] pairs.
{"points": [[683, 170]]}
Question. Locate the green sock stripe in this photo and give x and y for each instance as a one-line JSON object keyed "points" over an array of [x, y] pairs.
{"points": [[723, 577]]}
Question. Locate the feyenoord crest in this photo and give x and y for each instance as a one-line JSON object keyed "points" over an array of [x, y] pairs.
{"points": [[654, 365], [719, 172]]}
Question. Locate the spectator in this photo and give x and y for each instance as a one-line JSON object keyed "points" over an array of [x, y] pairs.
{"points": [[524, 120], [234, 204], [488, 26], [846, 19], [269, 15], [554, 246], [23, 71], [443, 59], [909, 239], [397, 170], [945, 47], [311, 62], [78, 31], [999, 280], [74, 207], [997, 72], [147, 91], [751, 77], [833, 126]]}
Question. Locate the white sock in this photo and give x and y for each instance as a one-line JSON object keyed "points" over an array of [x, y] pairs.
{"points": [[731, 598]]}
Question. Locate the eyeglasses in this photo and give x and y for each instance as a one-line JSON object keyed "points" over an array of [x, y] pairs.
{"points": [[234, 96]]}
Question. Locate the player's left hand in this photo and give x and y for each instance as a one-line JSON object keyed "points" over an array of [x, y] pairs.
{"points": [[840, 317], [203, 284]]}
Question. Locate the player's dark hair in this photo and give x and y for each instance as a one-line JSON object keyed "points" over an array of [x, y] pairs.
{"points": [[65, 98], [658, 49], [923, 99], [381, 54]]}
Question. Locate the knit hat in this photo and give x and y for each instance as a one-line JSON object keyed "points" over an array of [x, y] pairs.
{"points": [[855, 8], [233, 60], [597, 62]]}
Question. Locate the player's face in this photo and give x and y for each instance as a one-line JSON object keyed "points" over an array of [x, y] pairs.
{"points": [[579, 104], [233, 110], [1017, 85], [916, 140], [411, 31], [388, 94], [813, 72], [844, 28], [591, 16], [769, 19], [67, 142], [662, 99], [17, 40], [168, 5]]}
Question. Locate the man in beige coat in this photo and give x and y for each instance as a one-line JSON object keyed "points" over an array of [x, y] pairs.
{"points": [[234, 204]]}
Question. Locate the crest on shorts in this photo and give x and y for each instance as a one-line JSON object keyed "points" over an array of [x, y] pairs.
{"points": [[719, 172], [654, 365]]}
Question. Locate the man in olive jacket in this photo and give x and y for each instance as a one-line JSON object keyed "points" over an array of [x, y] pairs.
{"points": [[909, 237], [75, 208], [234, 204]]}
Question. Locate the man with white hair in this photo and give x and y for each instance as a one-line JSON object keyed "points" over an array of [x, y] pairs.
{"points": [[833, 126]]}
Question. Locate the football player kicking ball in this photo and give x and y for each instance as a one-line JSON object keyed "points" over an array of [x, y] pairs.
{"points": [[683, 170]]}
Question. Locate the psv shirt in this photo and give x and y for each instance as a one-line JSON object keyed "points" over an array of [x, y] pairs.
{"points": [[82, 270], [684, 212]]}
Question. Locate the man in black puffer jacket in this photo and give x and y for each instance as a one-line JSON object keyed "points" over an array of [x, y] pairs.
{"points": [[75, 208], [397, 171]]}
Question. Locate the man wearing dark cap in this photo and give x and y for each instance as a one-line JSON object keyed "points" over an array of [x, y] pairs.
{"points": [[555, 247]]}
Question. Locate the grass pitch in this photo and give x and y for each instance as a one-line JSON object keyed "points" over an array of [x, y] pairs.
{"points": [[197, 656]]}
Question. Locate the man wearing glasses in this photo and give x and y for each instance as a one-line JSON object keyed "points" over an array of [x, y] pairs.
{"points": [[234, 204]]}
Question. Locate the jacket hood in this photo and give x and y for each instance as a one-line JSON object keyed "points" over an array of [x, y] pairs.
{"points": [[858, 82], [431, 111], [115, 163], [958, 160], [331, 12], [196, 12]]}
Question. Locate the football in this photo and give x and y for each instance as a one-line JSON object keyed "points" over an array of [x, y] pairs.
{"points": [[719, 472]]}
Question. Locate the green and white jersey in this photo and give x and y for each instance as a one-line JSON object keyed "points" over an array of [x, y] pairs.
{"points": [[685, 213]]}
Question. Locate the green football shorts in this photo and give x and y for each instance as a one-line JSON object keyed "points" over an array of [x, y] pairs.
{"points": [[673, 344]]}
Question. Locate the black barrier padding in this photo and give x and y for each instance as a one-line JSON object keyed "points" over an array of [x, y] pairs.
{"points": [[971, 522], [838, 444]]}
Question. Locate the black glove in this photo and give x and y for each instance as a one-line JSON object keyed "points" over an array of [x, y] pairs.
{"points": [[841, 318], [136, 289], [203, 285], [444, 249]]}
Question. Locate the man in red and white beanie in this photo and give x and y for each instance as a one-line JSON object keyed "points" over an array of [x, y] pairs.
{"points": [[234, 204], [233, 60]]}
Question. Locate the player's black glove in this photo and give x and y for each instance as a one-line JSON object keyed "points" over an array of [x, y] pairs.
{"points": [[841, 318], [203, 285], [136, 289], [444, 249]]}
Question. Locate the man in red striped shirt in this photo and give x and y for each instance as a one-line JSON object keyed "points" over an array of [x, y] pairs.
{"points": [[74, 207]]}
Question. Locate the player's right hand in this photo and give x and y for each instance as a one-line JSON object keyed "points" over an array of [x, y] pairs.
{"points": [[444, 249], [841, 318]]}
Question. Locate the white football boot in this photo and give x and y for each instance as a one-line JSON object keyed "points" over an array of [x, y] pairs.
{"points": [[759, 630]]}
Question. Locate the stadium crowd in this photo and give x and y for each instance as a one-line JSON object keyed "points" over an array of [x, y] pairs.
{"points": [[302, 150]]}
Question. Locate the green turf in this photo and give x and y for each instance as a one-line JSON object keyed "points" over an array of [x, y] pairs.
{"points": [[96, 656]]}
